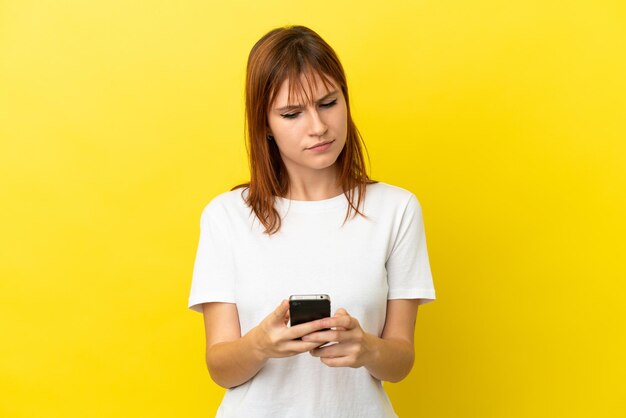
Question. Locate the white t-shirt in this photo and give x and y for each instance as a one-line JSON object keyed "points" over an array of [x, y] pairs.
{"points": [[360, 265]]}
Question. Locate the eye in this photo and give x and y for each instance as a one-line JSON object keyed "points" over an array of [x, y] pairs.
{"points": [[293, 115]]}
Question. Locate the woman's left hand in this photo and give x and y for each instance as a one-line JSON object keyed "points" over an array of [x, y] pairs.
{"points": [[353, 346]]}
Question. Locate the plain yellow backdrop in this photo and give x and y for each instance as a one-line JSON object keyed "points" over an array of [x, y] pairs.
{"points": [[120, 120]]}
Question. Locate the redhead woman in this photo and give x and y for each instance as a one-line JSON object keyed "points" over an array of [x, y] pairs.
{"points": [[310, 221]]}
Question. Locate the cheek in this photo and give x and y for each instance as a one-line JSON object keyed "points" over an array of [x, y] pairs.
{"points": [[287, 142], [342, 116], [341, 123]]}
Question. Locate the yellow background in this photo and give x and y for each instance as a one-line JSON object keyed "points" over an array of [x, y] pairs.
{"points": [[120, 120]]}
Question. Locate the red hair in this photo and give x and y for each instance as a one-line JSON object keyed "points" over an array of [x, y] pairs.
{"points": [[286, 53]]}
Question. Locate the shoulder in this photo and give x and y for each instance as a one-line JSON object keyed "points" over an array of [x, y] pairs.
{"points": [[224, 204], [391, 195]]}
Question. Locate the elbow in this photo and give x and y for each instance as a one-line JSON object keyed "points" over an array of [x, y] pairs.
{"points": [[218, 375], [214, 372], [398, 378], [404, 371]]}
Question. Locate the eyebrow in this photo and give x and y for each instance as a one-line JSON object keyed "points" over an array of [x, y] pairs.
{"points": [[291, 107]]}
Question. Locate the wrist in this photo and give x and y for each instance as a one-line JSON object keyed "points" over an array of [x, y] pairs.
{"points": [[254, 343], [372, 349]]}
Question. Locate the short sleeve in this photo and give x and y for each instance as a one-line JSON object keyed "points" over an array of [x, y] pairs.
{"points": [[213, 271], [408, 267]]}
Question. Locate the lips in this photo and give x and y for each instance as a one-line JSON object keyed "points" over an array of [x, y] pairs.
{"points": [[321, 144]]}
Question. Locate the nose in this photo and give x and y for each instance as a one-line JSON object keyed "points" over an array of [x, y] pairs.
{"points": [[318, 127]]}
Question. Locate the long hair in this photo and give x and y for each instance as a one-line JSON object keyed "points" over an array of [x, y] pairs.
{"points": [[286, 53]]}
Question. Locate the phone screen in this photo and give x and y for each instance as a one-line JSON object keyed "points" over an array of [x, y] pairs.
{"points": [[308, 308]]}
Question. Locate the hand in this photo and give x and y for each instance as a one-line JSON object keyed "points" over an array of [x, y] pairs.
{"points": [[352, 348], [272, 338]]}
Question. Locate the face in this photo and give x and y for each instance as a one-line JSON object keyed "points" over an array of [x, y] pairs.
{"points": [[309, 136]]}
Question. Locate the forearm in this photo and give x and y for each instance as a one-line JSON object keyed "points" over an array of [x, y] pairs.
{"points": [[390, 359], [235, 362]]}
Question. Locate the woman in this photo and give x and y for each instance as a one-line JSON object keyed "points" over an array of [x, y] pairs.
{"points": [[309, 221]]}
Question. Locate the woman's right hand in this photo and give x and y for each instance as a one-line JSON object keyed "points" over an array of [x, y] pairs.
{"points": [[272, 338]]}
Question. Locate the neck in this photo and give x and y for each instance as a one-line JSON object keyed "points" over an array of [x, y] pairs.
{"points": [[314, 184]]}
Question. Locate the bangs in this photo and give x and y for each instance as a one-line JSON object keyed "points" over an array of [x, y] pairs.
{"points": [[301, 91]]}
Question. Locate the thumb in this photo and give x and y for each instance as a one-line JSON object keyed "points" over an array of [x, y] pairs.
{"points": [[280, 312], [342, 312]]}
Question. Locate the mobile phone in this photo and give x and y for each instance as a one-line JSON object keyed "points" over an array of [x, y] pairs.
{"points": [[307, 308]]}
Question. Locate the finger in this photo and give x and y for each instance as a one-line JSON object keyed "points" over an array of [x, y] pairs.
{"points": [[300, 330], [344, 321], [341, 311], [335, 350], [281, 311], [336, 361], [325, 336], [295, 346]]}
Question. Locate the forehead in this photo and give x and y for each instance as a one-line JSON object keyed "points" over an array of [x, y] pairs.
{"points": [[305, 88]]}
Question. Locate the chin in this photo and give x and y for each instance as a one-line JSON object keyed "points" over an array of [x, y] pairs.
{"points": [[322, 165]]}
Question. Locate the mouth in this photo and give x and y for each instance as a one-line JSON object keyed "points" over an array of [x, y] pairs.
{"points": [[321, 144]]}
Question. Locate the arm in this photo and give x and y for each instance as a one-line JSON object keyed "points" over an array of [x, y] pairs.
{"points": [[232, 359], [394, 353], [389, 357]]}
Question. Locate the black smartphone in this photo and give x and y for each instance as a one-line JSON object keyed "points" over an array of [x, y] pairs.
{"points": [[307, 308]]}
